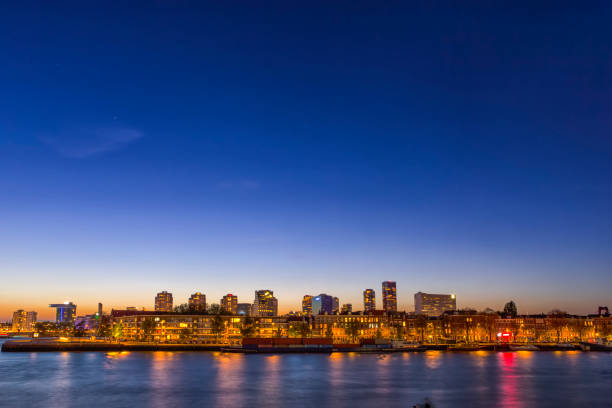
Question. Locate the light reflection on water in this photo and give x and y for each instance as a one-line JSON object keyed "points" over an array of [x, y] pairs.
{"points": [[184, 379], [230, 379]]}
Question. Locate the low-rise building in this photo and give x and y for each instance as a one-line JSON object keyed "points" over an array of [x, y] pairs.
{"points": [[432, 304], [244, 309]]}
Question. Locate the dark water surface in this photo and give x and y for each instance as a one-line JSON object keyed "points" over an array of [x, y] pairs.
{"points": [[198, 379]]}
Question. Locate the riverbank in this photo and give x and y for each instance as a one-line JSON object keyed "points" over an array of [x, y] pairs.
{"points": [[44, 346], [101, 346]]}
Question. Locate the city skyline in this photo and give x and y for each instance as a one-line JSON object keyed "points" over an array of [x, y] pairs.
{"points": [[176, 301], [335, 146]]}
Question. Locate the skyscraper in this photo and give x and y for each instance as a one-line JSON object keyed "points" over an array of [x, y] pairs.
{"points": [[197, 302], [347, 308], [369, 300], [64, 312], [322, 304], [389, 295], [307, 305], [336, 306], [265, 303], [434, 304], [229, 302], [163, 302]]}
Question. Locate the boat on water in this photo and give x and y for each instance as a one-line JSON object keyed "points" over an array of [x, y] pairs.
{"points": [[588, 346], [523, 347], [465, 347], [556, 346], [416, 347], [282, 345]]}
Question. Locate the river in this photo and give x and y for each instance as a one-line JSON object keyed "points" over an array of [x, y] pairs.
{"points": [[207, 379]]}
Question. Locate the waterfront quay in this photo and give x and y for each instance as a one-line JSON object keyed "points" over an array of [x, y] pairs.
{"points": [[282, 346], [372, 332]]}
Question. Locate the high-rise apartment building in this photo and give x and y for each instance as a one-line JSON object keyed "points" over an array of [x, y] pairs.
{"points": [[336, 305], [23, 321], [434, 304], [389, 296], [163, 302], [369, 300], [64, 312], [197, 302], [265, 303], [322, 304], [347, 308], [307, 305], [243, 309], [229, 303]]}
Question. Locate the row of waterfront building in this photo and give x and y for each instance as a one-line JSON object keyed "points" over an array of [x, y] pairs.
{"points": [[265, 304], [351, 328]]}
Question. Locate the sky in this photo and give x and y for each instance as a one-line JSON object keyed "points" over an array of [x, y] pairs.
{"points": [[315, 147]]}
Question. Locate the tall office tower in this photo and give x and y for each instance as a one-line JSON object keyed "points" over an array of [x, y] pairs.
{"points": [[369, 300], [100, 309], [64, 312], [243, 309], [163, 302], [307, 305], [336, 306], [322, 304], [389, 294], [434, 304], [197, 302], [30, 322], [265, 303], [19, 317], [347, 308], [229, 303]]}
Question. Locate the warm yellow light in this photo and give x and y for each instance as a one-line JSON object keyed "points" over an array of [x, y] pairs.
{"points": [[64, 339], [35, 334]]}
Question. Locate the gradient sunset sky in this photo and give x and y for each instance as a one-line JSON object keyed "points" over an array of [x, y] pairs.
{"points": [[314, 148]]}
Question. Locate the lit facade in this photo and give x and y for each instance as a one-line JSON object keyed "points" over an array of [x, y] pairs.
{"points": [[197, 302], [369, 300], [64, 312], [336, 306], [163, 302], [265, 304], [434, 304], [229, 303], [307, 305], [198, 328], [347, 308], [23, 321], [448, 328], [322, 304], [389, 296]]}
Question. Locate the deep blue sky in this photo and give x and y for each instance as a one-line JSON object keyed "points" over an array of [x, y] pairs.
{"points": [[317, 148]]}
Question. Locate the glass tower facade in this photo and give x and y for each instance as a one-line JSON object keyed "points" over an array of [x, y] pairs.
{"points": [[389, 294], [369, 300]]}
